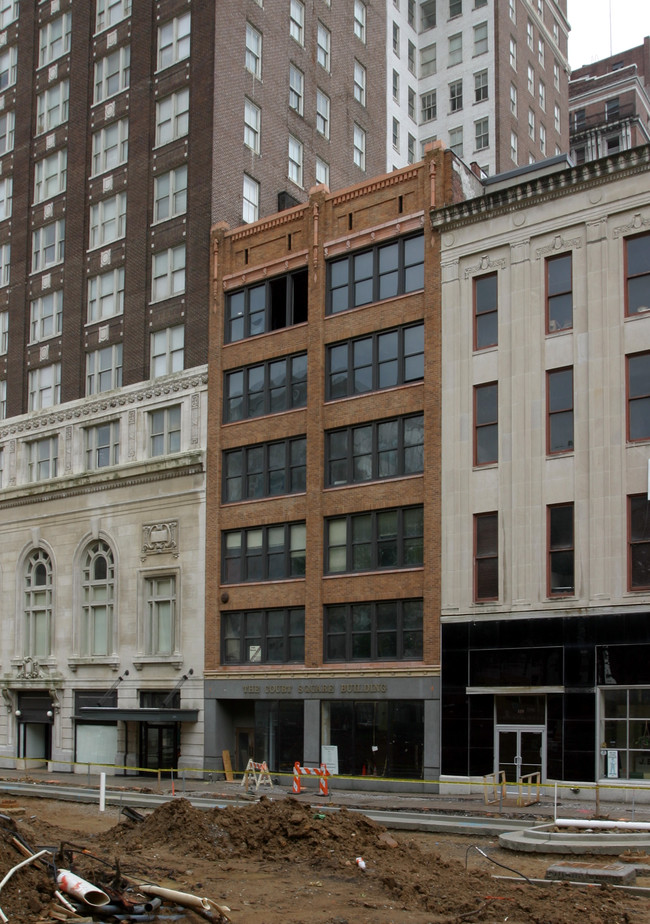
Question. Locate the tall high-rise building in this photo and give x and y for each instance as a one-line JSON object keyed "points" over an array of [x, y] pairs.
{"points": [[487, 77]]}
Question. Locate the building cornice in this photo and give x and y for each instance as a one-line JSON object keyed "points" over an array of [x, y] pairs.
{"points": [[542, 188]]}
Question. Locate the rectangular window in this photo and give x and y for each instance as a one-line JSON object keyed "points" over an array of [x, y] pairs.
{"points": [[410, 148], [112, 74], [6, 197], [556, 75], [411, 103], [5, 264], [456, 140], [253, 57], [106, 295], [168, 273], [7, 130], [275, 636], [384, 630], [638, 396], [384, 271], [172, 117], [104, 369], [43, 458], [52, 107], [384, 359], [296, 89], [102, 445], [252, 120], [638, 542], [480, 86], [110, 12], [561, 552], [46, 316], [427, 15], [322, 114], [531, 80], [174, 41], [160, 623], [559, 391], [264, 470], [513, 54], [540, 51], [263, 553], [170, 194], [428, 61], [411, 14], [556, 117], [428, 106], [107, 221], [4, 333], [279, 302], [322, 172], [486, 557], [359, 83], [456, 96], [3, 409], [624, 726], [295, 160], [396, 86], [48, 245], [637, 274], [481, 38], [165, 431], [396, 39], [250, 200], [455, 48], [50, 175], [374, 450], [486, 424], [455, 8], [513, 99], [44, 387], [411, 57], [513, 147], [372, 541], [559, 293], [485, 311], [167, 351], [531, 124], [323, 44], [360, 20], [359, 146], [8, 12], [54, 39], [110, 147], [395, 134], [297, 21], [266, 388], [542, 96], [542, 139]]}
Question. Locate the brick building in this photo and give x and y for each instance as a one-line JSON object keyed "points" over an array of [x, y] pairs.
{"points": [[126, 130], [323, 497], [609, 103], [489, 78]]}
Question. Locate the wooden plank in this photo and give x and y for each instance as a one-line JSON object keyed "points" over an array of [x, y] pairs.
{"points": [[227, 766]]}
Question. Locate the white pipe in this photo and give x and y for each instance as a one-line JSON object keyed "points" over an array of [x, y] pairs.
{"points": [[583, 823], [81, 889], [31, 859], [102, 792], [185, 899]]}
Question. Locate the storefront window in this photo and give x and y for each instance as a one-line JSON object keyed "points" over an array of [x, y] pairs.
{"points": [[279, 734], [376, 738], [625, 734]]}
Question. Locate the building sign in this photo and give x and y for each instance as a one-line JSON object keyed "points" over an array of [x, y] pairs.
{"points": [[314, 689]]}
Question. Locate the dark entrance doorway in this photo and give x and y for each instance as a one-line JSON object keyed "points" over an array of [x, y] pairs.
{"points": [[35, 717]]}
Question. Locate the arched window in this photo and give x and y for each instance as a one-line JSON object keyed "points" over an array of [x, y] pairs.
{"points": [[38, 605], [98, 594]]}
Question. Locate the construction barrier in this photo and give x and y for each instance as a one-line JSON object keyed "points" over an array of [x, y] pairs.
{"points": [[529, 788], [321, 772], [494, 788], [259, 773]]}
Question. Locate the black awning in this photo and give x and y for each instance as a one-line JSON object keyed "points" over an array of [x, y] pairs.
{"points": [[115, 714]]}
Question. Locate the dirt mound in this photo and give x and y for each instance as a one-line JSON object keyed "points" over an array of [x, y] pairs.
{"points": [[28, 892]]}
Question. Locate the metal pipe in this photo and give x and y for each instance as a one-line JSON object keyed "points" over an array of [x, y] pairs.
{"points": [[597, 823], [79, 888], [185, 899], [32, 859]]}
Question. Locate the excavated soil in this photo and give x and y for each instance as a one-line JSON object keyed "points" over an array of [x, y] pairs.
{"points": [[285, 861]]}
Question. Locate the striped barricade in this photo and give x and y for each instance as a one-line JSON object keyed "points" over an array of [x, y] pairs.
{"points": [[321, 772], [259, 773]]}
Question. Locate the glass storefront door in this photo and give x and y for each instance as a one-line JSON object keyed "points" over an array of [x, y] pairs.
{"points": [[520, 751]]}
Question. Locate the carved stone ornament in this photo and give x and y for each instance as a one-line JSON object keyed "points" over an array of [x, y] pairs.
{"points": [[158, 538], [486, 264], [30, 669], [558, 243]]}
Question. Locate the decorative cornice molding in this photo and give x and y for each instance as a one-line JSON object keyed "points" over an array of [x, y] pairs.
{"points": [[257, 273], [402, 225], [282, 218], [558, 243], [486, 263], [383, 182], [637, 224]]}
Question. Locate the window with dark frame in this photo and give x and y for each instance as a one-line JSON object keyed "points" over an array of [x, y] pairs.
{"points": [[374, 540], [385, 271], [559, 393], [486, 557], [270, 305], [561, 551], [265, 388], [383, 630], [264, 470], [384, 359], [274, 636], [637, 274], [375, 449], [485, 311], [486, 424], [263, 553], [638, 396], [638, 542], [559, 293]]}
